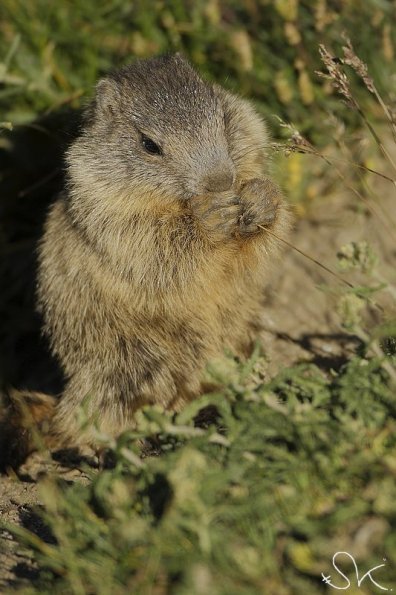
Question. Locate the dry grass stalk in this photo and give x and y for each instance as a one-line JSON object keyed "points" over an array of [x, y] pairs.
{"points": [[298, 143], [340, 81]]}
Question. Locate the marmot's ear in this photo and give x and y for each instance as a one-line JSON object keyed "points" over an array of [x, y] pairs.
{"points": [[106, 97]]}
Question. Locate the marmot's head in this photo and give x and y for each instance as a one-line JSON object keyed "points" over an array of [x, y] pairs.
{"points": [[155, 126], [156, 134]]}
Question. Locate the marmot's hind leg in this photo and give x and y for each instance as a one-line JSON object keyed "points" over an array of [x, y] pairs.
{"points": [[25, 426]]}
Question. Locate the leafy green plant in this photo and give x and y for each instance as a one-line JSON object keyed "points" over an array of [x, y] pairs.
{"points": [[291, 471]]}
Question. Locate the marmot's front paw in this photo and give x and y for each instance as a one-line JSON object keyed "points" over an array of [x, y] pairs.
{"points": [[219, 217], [260, 199]]}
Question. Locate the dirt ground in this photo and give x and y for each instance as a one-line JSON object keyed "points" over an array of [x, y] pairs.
{"points": [[301, 324]]}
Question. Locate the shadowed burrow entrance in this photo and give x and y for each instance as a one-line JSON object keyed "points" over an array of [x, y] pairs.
{"points": [[31, 176]]}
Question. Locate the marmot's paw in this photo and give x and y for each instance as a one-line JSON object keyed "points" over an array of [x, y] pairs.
{"points": [[260, 199], [218, 216], [24, 421]]}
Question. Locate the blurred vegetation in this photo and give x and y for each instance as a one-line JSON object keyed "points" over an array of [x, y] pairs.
{"points": [[52, 53], [293, 471]]}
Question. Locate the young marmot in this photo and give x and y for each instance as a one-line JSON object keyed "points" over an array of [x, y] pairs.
{"points": [[155, 256]]}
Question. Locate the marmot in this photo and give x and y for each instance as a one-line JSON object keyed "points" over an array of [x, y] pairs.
{"points": [[155, 256]]}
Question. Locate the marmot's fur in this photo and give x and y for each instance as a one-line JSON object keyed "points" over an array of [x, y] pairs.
{"points": [[155, 256]]}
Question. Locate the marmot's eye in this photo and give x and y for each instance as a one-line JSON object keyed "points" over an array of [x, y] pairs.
{"points": [[150, 146]]}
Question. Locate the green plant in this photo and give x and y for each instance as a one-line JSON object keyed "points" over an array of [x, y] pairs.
{"points": [[292, 471]]}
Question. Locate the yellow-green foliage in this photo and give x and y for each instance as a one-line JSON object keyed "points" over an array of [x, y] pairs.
{"points": [[53, 52]]}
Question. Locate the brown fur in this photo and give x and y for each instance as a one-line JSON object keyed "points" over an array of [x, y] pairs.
{"points": [[150, 265]]}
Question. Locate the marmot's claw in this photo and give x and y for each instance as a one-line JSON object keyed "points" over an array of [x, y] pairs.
{"points": [[217, 216]]}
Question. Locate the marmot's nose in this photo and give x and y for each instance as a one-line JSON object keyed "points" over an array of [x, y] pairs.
{"points": [[219, 179]]}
